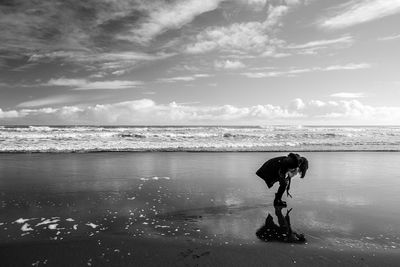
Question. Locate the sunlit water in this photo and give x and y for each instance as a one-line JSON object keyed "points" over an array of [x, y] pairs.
{"points": [[348, 200]]}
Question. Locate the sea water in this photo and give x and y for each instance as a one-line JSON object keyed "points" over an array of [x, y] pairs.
{"points": [[198, 138], [348, 200]]}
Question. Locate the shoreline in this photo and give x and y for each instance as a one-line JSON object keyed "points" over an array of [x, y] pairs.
{"points": [[195, 151]]}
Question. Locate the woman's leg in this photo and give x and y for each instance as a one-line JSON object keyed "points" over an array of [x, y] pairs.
{"points": [[278, 196]]}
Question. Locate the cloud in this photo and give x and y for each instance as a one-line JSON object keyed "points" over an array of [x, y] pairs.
{"points": [[9, 114], [202, 75], [108, 85], [312, 47], [147, 112], [119, 72], [357, 12], [83, 84], [4, 84], [87, 28], [348, 95], [323, 43], [350, 66], [38, 24], [84, 56], [273, 53], [254, 36], [349, 112], [66, 82], [116, 63], [184, 78], [295, 72], [228, 64], [81, 33], [248, 36], [389, 38], [258, 5], [46, 101], [297, 104], [163, 17], [178, 79], [257, 74], [149, 93]]}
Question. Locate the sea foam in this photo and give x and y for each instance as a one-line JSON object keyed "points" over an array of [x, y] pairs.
{"points": [[268, 138]]}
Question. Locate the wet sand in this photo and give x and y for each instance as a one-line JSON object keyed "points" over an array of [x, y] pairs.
{"points": [[180, 209]]}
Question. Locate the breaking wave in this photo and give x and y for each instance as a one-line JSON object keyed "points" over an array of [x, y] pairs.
{"points": [[268, 138]]}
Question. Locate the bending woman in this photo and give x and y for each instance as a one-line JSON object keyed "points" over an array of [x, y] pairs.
{"points": [[282, 169]]}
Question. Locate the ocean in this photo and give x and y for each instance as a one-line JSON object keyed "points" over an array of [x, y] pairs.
{"points": [[118, 208], [198, 138]]}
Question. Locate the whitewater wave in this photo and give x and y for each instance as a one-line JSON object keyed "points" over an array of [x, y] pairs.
{"points": [[271, 138]]}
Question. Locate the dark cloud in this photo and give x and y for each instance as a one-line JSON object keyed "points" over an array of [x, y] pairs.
{"points": [[91, 35], [69, 32], [107, 30], [60, 25]]}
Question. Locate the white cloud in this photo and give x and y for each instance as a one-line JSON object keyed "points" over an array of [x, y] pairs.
{"points": [[341, 40], [83, 84], [317, 103], [84, 56], [357, 11], [254, 36], [275, 13], [9, 114], [350, 112], [178, 79], [256, 4], [257, 74], [46, 101], [297, 104], [294, 72], [119, 72], [108, 85], [169, 16], [149, 93], [312, 47], [202, 75], [146, 111], [389, 38], [271, 52], [248, 36], [228, 64], [66, 82], [348, 95], [184, 78], [350, 66]]}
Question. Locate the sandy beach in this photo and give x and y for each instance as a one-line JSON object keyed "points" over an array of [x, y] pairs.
{"points": [[188, 209], [135, 133]]}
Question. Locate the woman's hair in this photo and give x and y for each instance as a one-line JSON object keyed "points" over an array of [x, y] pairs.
{"points": [[292, 161], [303, 166]]}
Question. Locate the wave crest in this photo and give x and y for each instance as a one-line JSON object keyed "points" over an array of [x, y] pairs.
{"points": [[271, 138]]}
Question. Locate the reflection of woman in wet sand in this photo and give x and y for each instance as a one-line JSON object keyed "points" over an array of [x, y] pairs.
{"points": [[282, 232], [282, 169]]}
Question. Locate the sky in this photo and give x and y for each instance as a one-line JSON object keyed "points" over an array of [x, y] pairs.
{"points": [[199, 62]]}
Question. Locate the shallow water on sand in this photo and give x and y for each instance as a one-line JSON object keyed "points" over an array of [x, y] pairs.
{"points": [[348, 200]]}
